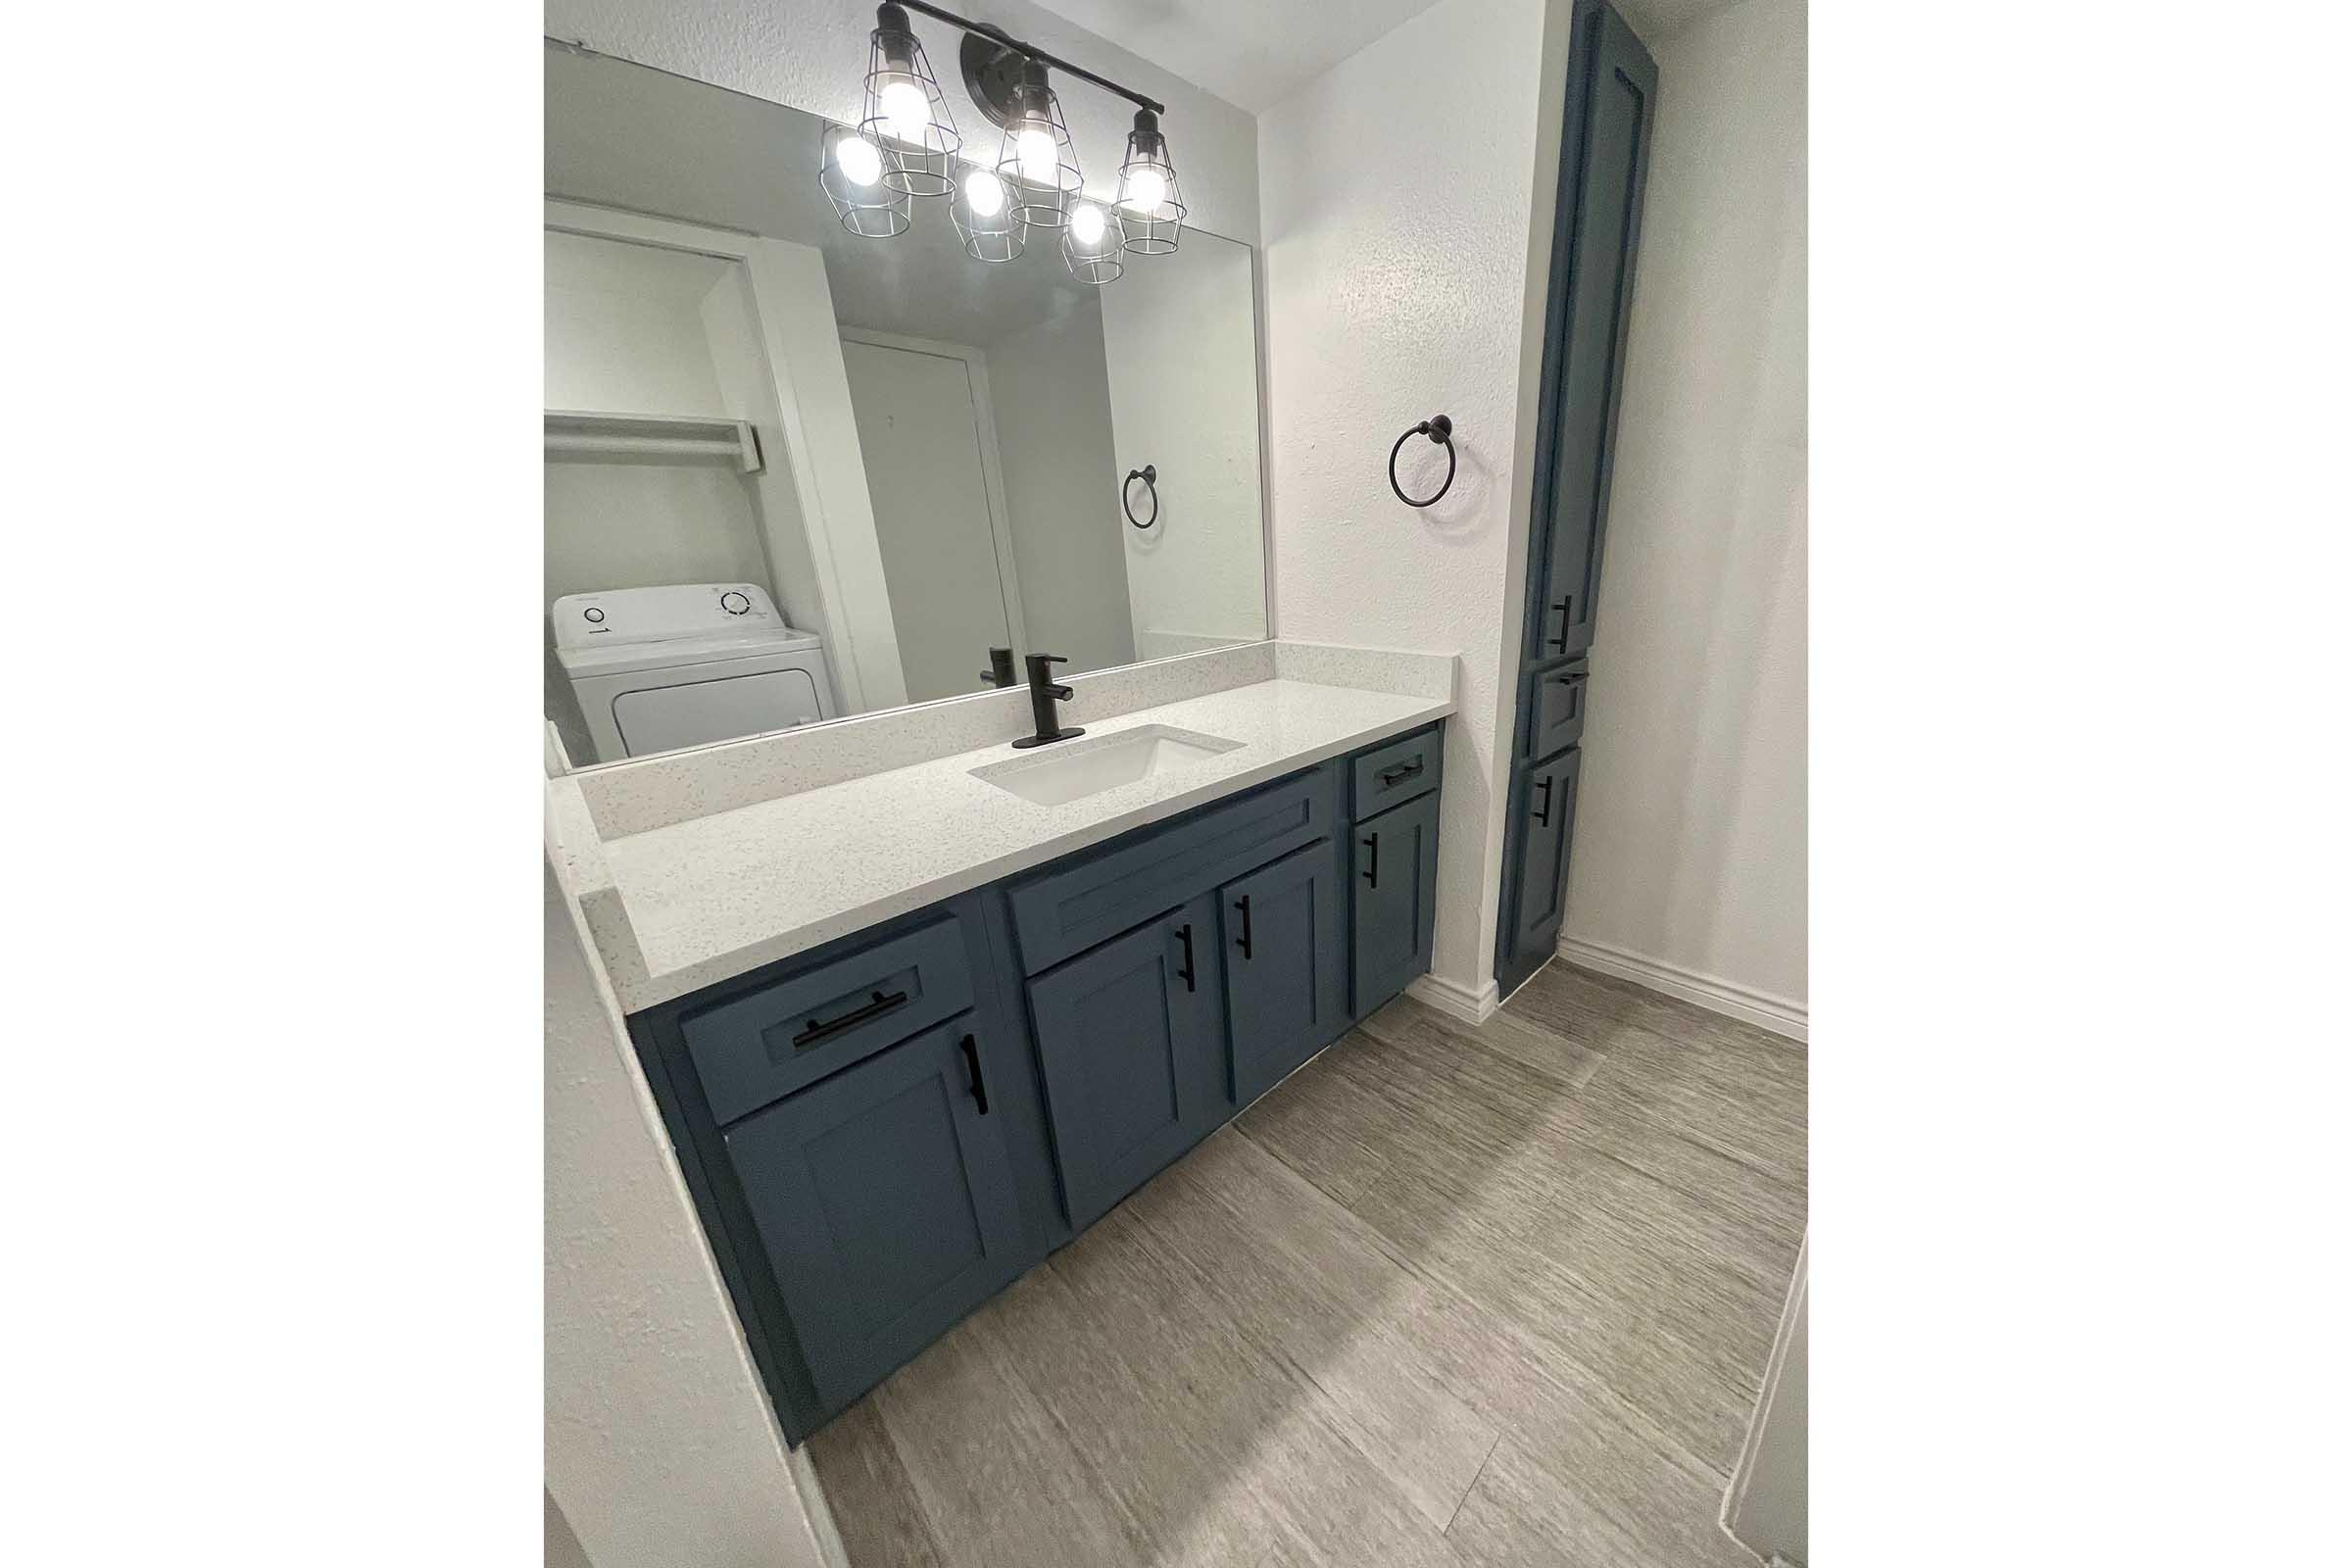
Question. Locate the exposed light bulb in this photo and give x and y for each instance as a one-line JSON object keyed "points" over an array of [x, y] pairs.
{"points": [[907, 110], [1040, 158], [1085, 223], [859, 160], [1146, 188], [983, 193]]}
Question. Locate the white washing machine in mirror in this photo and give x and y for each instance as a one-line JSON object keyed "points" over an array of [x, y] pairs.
{"points": [[656, 668]]}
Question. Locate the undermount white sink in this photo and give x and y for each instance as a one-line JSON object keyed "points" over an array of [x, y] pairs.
{"points": [[1071, 771]]}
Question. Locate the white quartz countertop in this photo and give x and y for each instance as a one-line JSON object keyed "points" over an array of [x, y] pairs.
{"points": [[708, 899]]}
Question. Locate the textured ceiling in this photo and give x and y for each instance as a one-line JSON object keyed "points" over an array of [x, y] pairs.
{"points": [[1251, 53], [1656, 21]]}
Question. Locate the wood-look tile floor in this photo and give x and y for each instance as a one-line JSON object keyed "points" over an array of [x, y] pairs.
{"points": [[1448, 1296]]}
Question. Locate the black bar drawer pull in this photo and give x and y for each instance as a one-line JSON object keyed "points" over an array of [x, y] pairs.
{"points": [[1543, 813], [1560, 644], [848, 1020], [1391, 777], [1242, 903], [1372, 871], [971, 1062], [1184, 934]]}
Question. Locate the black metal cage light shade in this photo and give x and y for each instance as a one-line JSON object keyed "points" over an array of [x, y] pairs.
{"points": [[1151, 204], [1090, 243], [984, 221], [854, 169], [1037, 157], [904, 110]]}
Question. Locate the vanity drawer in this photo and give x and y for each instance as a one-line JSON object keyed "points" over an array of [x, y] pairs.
{"points": [[1068, 909], [754, 1049], [1396, 772], [1555, 708]]}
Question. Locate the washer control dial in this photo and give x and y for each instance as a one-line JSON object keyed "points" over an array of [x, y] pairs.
{"points": [[734, 602], [593, 615]]}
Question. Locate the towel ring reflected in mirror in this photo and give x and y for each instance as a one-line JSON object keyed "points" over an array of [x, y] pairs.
{"points": [[1150, 475]]}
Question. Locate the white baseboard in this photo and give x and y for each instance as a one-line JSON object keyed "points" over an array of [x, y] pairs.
{"points": [[1717, 994], [1456, 1001]]}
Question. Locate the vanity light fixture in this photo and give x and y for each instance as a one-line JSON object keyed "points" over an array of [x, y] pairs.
{"points": [[1090, 245], [1037, 154], [1150, 203], [906, 109], [984, 216], [855, 173], [905, 146]]}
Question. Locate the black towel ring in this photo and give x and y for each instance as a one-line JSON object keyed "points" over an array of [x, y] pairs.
{"points": [[1439, 429], [1150, 475]]}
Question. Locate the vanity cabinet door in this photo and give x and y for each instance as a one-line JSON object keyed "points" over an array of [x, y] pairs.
{"points": [[1131, 1038], [1546, 808], [886, 1204], [1285, 992], [1395, 866]]}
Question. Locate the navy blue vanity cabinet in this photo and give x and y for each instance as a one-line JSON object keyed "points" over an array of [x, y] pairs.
{"points": [[1131, 1041], [1395, 860], [1285, 983], [885, 1200], [886, 1130]]}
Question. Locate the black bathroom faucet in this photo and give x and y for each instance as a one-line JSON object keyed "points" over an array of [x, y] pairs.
{"points": [[1043, 695]]}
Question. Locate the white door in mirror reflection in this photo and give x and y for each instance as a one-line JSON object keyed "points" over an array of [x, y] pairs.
{"points": [[939, 515]]}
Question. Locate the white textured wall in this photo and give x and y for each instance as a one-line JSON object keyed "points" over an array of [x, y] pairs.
{"points": [[622, 329], [1691, 816], [1398, 221], [661, 1449], [811, 54], [1053, 411]]}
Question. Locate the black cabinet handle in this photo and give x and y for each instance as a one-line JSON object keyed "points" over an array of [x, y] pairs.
{"points": [[1560, 644], [848, 1020], [1184, 934], [1389, 777], [1543, 816], [971, 1062], [1372, 871], [1242, 903]]}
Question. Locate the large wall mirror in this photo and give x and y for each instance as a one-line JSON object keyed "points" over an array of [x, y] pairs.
{"points": [[794, 473]]}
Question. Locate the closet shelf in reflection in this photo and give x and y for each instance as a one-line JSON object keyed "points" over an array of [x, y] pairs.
{"points": [[652, 438]]}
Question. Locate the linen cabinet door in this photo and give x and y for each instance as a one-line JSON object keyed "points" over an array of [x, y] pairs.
{"points": [[1603, 169], [1285, 993], [1131, 1038], [1547, 829], [1396, 888], [886, 1204]]}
